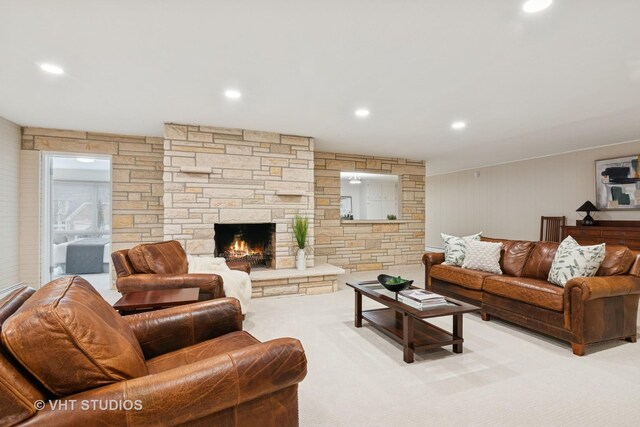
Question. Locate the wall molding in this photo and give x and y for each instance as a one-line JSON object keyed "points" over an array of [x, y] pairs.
{"points": [[535, 157]]}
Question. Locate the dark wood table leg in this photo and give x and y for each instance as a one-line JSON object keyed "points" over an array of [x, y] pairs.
{"points": [[407, 338], [457, 332], [358, 319]]}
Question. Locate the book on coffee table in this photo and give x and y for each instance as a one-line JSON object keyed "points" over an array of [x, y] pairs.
{"points": [[421, 299], [422, 296], [422, 305]]}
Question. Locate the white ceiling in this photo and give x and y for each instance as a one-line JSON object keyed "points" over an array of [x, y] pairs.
{"points": [[528, 85]]}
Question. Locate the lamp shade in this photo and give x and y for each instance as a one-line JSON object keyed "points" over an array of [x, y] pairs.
{"points": [[587, 207]]}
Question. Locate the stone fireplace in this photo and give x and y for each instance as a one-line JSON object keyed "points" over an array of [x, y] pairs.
{"points": [[216, 177], [251, 243]]}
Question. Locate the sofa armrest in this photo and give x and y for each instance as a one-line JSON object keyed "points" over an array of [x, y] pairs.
{"points": [[433, 258], [429, 259], [190, 392], [240, 266], [162, 331], [603, 286], [635, 267], [208, 283]]}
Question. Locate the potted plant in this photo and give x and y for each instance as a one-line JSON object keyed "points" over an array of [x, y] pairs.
{"points": [[300, 228]]}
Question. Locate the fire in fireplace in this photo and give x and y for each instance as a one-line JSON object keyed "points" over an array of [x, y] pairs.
{"points": [[252, 243]]}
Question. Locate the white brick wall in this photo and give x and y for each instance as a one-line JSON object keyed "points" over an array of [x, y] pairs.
{"points": [[9, 204]]}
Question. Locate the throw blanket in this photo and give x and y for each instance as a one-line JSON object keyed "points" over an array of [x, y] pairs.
{"points": [[237, 284]]}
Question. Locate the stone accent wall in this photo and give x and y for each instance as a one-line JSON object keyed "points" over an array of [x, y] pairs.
{"points": [[222, 175], [137, 187], [369, 245]]}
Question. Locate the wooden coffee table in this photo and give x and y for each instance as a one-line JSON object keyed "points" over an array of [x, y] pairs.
{"points": [[135, 302], [408, 325]]}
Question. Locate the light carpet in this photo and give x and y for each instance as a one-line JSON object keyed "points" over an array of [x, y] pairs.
{"points": [[506, 375]]}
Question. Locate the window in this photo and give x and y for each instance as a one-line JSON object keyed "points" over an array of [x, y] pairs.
{"points": [[368, 196], [77, 217], [80, 209]]}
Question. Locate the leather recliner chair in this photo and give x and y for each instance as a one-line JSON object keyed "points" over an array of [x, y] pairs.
{"points": [[64, 345], [164, 265]]}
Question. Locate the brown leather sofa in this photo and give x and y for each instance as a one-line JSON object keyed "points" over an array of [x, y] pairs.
{"points": [[585, 311], [163, 265], [193, 364]]}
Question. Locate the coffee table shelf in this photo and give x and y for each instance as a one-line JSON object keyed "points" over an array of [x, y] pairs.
{"points": [[425, 335]]}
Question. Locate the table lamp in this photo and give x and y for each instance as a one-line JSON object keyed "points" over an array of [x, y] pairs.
{"points": [[587, 207]]}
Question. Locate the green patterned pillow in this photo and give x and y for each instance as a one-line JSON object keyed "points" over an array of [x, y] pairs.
{"points": [[573, 260], [455, 248]]}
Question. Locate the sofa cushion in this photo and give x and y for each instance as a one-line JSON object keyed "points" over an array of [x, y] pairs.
{"points": [[201, 351], [455, 248], [539, 262], [513, 256], [470, 279], [71, 339], [159, 258], [572, 260], [483, 256], [531, 291], [617, 260]]}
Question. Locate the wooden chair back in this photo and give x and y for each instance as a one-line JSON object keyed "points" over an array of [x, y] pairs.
{"points": [[551, 228]]}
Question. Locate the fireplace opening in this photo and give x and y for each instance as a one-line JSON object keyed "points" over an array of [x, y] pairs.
{"points": [[252, 243]]}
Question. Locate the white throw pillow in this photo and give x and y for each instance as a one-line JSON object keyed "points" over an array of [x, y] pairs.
{"points": [[483, 256], [206, 264], [572, 260], [455, 248]]}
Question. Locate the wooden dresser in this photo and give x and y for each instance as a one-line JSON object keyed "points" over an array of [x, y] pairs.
{"points": [[625, 233]]}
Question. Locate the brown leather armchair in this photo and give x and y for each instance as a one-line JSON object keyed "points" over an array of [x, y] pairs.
{"points": [[164, 265], [191, 364]]}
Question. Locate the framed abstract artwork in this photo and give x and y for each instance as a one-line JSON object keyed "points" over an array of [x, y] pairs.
{"points": [[618, 183]]}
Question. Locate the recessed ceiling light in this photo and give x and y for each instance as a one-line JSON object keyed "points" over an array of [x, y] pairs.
{"points": [[362, 112], [458, 125], [85, 159], [232, 94], [533, 6], [51, 69]]}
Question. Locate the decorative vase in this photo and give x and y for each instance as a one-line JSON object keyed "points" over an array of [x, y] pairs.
{"points": [[301, 260]]}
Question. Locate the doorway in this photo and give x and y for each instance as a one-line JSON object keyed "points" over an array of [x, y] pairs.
{"points": [[77, 217]]}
